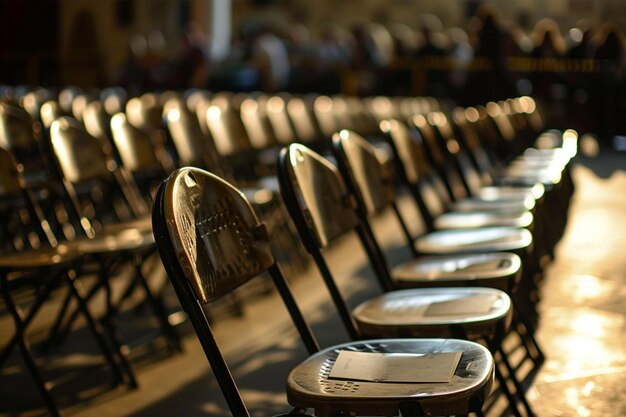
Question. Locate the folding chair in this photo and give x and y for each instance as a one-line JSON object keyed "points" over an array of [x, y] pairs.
{"points": [[211, 242], [40, 269], [323, 210]]}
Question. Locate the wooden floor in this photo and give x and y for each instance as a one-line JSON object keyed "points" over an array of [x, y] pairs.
{"points": [[582, 330]]}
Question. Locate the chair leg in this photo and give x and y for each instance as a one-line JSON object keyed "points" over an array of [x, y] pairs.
{"points": [[60, 332], [26, 352], [41, 297], [109, 327], [527, 336], [173, 340], [56, 326], [518, 386], [411, 408], [94, 326], [505, 390]]}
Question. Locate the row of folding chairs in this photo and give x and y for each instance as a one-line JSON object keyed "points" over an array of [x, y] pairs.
{"points": [[68, 229], [475, 273], [158, 124]]}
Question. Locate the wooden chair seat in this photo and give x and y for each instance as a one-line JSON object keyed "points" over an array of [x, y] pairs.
{"points": [[495, 239], [37, 258], [494, 270], [470, 219], [142, 224], [309, 386], [128, 240], [536, 190], [432, 312], [486, 204]]}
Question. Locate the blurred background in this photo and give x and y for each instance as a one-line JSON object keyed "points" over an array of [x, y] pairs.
{"points": [[569, 54]]}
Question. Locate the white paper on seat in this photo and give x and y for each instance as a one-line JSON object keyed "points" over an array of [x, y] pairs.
{"points": [[395, 367], [473, 304]]}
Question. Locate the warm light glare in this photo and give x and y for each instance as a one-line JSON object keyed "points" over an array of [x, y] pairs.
{"points": [[323, 104], [173, 115], [472, 114], [576, 34], [493, 109], [296, 107], [118, 120], [385, 126], [275, 104], [213, 113]]}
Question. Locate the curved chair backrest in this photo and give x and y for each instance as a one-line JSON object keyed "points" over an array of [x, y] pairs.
{"points": [[20, 209], [304, 126], [255, 122], [80, 156], [67, 96], [341, 111], [135, 147], [97, 122], [17, 135], [370, 180], [279, 120], [432, 147], [114, 99], [316, 196], [323, 111], [428, 190], [225, 127], [16, 131], [217, 239], [145, 112], [33, 100], [192, 147], [9, 175], [92, 177], [408, 148]]}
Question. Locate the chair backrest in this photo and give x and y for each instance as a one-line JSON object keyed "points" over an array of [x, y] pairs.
{"points": [[218, 241], [371, 181], [97, 122], [225, 127], [80, 155], [304, 125], [23, 221], [95, 187], [32, 101], [192, 147], [428, 190], [257, 126], [9, 175], [317, 197], [276, 108], [114, 99], [323, 111], [438, 155], [408, 149], [145, 112], [468, 120], [134, 146], [454, 149], [17, 135], [67, 96], [16, 129], [341, 111], [211, 242], [323, 209]]}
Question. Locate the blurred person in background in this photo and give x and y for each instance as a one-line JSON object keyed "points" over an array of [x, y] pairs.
{"points": [[610, 90]]}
